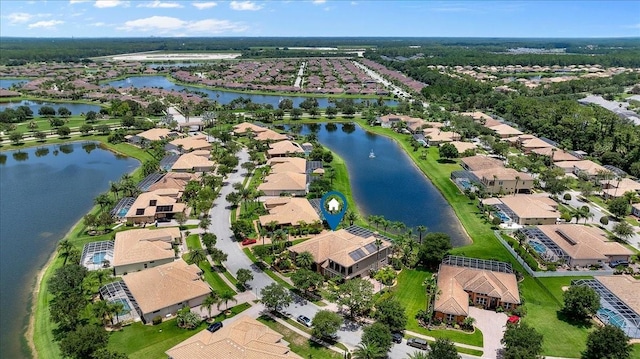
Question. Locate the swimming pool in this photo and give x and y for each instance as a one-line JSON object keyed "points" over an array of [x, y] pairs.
{"points": [[612, 317], [123, 211], [98, 257], [125, 305], [538, 247], [465, 184], [502, 216]]}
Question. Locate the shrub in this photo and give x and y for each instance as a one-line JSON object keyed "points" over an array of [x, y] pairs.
{"points": [[499, 310], [567, 197], [604, 220], [521, 311], [157, 320]]}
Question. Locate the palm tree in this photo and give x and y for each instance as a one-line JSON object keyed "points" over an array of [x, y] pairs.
{"points": [[226, 297], [398, 226], [115, 188], [209, 301], [351, 216], [418, 355], [205, 222], [331, 175], [421, 230], [385, 223], [378, 245], [198, 255], [432, 291], [368, 351], [304, 260], [116, 309], [103, 200], [101, 310], [515, 189], [278, 237], [64, 247]]}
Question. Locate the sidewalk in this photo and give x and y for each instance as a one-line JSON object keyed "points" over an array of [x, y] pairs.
{"points": [[305, 334]]}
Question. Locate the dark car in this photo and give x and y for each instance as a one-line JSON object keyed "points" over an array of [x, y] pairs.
{"points": [[418, 343], [396, 337], [214, 327], [620, 262], [304, 320]]}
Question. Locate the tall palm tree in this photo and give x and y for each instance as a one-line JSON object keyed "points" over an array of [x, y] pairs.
{"points": [[421, 230], [432, 291], [115, 188], [277, 238], [101, 310], [515, 189], [378, 245], [418, 355], [210, 301], [116, 309], [226, 297], [64, 247], [368, 351], [205, 222]]}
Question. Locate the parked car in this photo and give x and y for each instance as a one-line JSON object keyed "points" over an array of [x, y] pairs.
{"points": [[620, 262], [248, 241], [396, 337], [214, 327], [304, 320], [418, 343]]}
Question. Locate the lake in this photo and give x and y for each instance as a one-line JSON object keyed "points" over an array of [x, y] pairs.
{"points": [[44, 192], [223, 97], [390, 184], [75, 108], [6, 83]]}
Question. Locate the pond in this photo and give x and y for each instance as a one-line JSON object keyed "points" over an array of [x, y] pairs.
{"points": [[44, 191], [75, 108], [389, 184], [223, 97], [6, 83]]}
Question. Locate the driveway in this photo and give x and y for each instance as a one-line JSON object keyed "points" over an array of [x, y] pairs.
{"points": [[492, 325]]}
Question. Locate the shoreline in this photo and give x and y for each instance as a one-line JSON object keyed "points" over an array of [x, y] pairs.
{"points": [[35, 292]]}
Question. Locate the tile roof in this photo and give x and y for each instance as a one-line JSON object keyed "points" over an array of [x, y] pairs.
{"points": [[174, 180], [288, 210], [285, 181], [283, 148], [528, 206], [288, 164], [504, 129], [155, 134], [502, 174], [246, 126], [190, 161], [481, 162], [163, 197], [245, 338], [558, 154], [624, 287], [270, 135], [191, 143], [584, 242], [166, 285], [143, 245]]}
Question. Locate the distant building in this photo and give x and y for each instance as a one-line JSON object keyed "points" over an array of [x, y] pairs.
{"points": [[139, 249]]}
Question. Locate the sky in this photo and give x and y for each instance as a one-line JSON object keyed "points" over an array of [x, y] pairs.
{"points": [[399, 18]]}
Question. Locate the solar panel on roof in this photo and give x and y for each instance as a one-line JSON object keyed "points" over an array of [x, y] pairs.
{"points": [[357, 255], [149, 180], [371, 247]]}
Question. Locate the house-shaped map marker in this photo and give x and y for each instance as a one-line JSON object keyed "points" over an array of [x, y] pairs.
{"points": [[334, 205]]}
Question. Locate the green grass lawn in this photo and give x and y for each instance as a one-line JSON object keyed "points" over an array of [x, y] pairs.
{"points": [[299, 344], [635, 353], [193, 242], [410, 293], [213, 278]]}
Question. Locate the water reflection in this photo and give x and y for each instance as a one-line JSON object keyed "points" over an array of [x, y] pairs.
{"points": [[41, 152], [20, 156]]}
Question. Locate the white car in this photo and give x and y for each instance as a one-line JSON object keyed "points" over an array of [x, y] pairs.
{"points": [[304, 320]]}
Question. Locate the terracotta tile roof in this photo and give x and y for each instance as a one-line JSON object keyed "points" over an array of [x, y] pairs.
{"points": [[481, 162], [245, 338], [336, 245], [270, 135], [528, 206], [477, 115], [196, 159], [618, 189], [191, 143], [288, 164], [163, 197], [502, 174], [155, 134], [624, 287], [504, 129], [587, 166], [455, 282], [463, 146], [166, 285], [144, 245], [245, 126], [174, 180], [558, 155], [289, 211], [583, 242], [283, 148], [285, 181]]}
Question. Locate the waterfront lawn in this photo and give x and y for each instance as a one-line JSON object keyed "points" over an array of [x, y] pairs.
{"points": [[410, 292], [73, 122], [299, 344], [341, 181]]}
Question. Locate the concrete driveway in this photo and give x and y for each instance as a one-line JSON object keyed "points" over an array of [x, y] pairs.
{"points": [[492, 325]]}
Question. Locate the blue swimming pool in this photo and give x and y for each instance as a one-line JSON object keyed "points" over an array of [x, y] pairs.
{"points": [[538, 247], [612, 317], [98, 257], [125, 306], [503, 216], [465, 184], [123, 211]]}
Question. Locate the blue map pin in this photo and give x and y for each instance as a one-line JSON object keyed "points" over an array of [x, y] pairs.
{"points": [[334, 206]]}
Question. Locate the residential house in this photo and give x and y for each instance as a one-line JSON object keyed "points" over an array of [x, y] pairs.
{"points": [[244, 338], [505, 131], [157, 134], [196, 161], [528, 210], [500, 180], [463, 146], [555, 154], [635, 209], [576, 245], [277, 184], [478, 116], [287, 164], [480, 162], [190, 143], [583, 167], [163, 290], [348, 253], [155, 205], [284, 148], [174, 180], [138, 249], [618, 187], [469, 281], [270, 135], [436, 136], [288, 211], [245, 127]]}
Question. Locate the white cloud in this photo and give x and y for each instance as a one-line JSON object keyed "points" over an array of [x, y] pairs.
{"points": [[45, 24], [110, 3], [98, 24], [22, 17], [77, 1], [244, 6], [318, 2], [204, 5], [174, 26], [161, 4]]}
